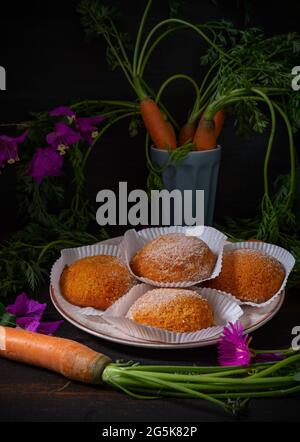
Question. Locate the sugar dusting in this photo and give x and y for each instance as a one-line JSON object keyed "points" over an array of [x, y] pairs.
{"points": [[256, 257], [178, 245], [160, 298], [174, 253], [176, 310], [249, 274]]}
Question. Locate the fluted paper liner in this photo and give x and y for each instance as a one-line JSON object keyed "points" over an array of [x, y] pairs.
{"points": [[225, 310], [134, 241], [283, 256], [68, 256]]}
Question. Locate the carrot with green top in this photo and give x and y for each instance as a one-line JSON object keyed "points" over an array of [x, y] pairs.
{"points": [[215, 384], [69, 358], [157, 127]]}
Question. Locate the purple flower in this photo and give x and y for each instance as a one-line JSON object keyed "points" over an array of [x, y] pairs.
{"points": [[87, 127], [49, 328], [36, 326], [233, 346], [62, 137], [45, 162], [9, 148], [63, 111], [23, 306], [29, 313]]}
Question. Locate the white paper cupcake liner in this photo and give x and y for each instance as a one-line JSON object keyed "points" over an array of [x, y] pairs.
{"points": [[283, 256], [224, 309], [68, 256], [134, 241]]}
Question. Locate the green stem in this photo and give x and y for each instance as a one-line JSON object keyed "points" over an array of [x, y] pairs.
{"points": [[206, 77], [115, 112], [31, 246], [291, 193], [275, 367], [196, 369], [285, 351], [270, 141], [177, 77], [128, 382], [126, 104], [17, 125], [148, 159], [54, 243], [212, 390], [141, 93], [181, 22], [154, 45], [181, 388], [260, 394], [116, 55], [165, 34], [207, 379], [139, 37], [102, 131], [121, 46]]}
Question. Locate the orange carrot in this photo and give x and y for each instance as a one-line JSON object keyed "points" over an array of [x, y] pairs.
{"points": [[219, 119], [172, 132], [73, 360], [186, 133], [205, 137], [155, 124]]}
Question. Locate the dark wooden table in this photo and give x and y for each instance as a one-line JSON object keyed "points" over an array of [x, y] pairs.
{"points": [[31, 394]]}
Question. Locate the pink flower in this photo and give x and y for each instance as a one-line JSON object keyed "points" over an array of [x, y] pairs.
{"points": [[233, 346]]}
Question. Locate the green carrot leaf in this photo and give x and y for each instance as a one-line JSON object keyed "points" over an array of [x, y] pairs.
{"points": [[6, 319]]}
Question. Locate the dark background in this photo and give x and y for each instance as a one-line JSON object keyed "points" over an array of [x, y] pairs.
{"points": [[48, 63]]}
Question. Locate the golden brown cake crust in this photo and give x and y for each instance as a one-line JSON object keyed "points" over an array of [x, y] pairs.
{"points": [[96, 281], [176, 310], [174, 257], [250, 275]]}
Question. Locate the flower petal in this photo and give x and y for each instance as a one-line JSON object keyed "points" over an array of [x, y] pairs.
{"points": [[62, 111], [62, 135], [232, 347], [26, 307], [45, 163], [29, 324], [49, 328], [21, 138]]}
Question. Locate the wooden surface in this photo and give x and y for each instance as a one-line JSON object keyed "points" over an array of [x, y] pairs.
{"points": [[31, 394]]}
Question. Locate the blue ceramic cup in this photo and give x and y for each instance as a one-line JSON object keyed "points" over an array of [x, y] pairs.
{"points": [[199, 171]]}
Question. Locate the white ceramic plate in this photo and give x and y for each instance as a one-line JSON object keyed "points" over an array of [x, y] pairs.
{"points": [[252, 319]]}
